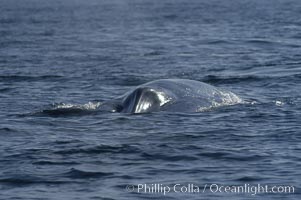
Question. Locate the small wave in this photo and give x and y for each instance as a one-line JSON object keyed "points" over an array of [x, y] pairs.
{"points": [[214, 155], [167, 157], [5, 89], [231, 156], [27, 180], [130, 80], [19, 78], [247, 179], [65, 142], [218, 42], [101, 149], [9, 21], [7, 130], [47, 162], [260, 42], [244, 158], [81, 174], [231, 79], [268, 43], [153, 53], [171, 16]]}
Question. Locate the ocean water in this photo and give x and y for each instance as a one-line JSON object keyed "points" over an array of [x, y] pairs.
{"points": [[60, 59]]}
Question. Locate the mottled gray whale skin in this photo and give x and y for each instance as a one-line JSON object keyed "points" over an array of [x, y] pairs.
{"points": [[173, 95]]}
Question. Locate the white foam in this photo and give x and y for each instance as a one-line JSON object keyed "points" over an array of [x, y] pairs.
{"points": [[87, 106], [228, 98], [279, 103]]}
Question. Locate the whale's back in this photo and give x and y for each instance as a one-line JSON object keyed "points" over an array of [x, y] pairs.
{"points": [[175, 95]]}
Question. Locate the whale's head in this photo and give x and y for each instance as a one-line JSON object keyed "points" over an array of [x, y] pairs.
{"points": [[141, 100]]}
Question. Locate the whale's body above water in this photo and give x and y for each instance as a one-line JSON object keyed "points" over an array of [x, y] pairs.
{"points": [[172, 95]]}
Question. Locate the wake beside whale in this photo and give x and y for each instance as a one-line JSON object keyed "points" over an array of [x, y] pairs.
{"points": [[172, 95]]}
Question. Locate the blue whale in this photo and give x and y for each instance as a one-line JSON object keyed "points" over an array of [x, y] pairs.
{"points": [[172, 95]]}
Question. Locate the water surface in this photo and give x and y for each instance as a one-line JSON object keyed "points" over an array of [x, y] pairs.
{"points": [[78, 53]]}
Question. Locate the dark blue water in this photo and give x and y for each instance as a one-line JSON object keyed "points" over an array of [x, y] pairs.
{"points": [[74, 54]]}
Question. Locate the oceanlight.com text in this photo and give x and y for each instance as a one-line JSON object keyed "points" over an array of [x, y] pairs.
{"points": [[251, 189]]}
